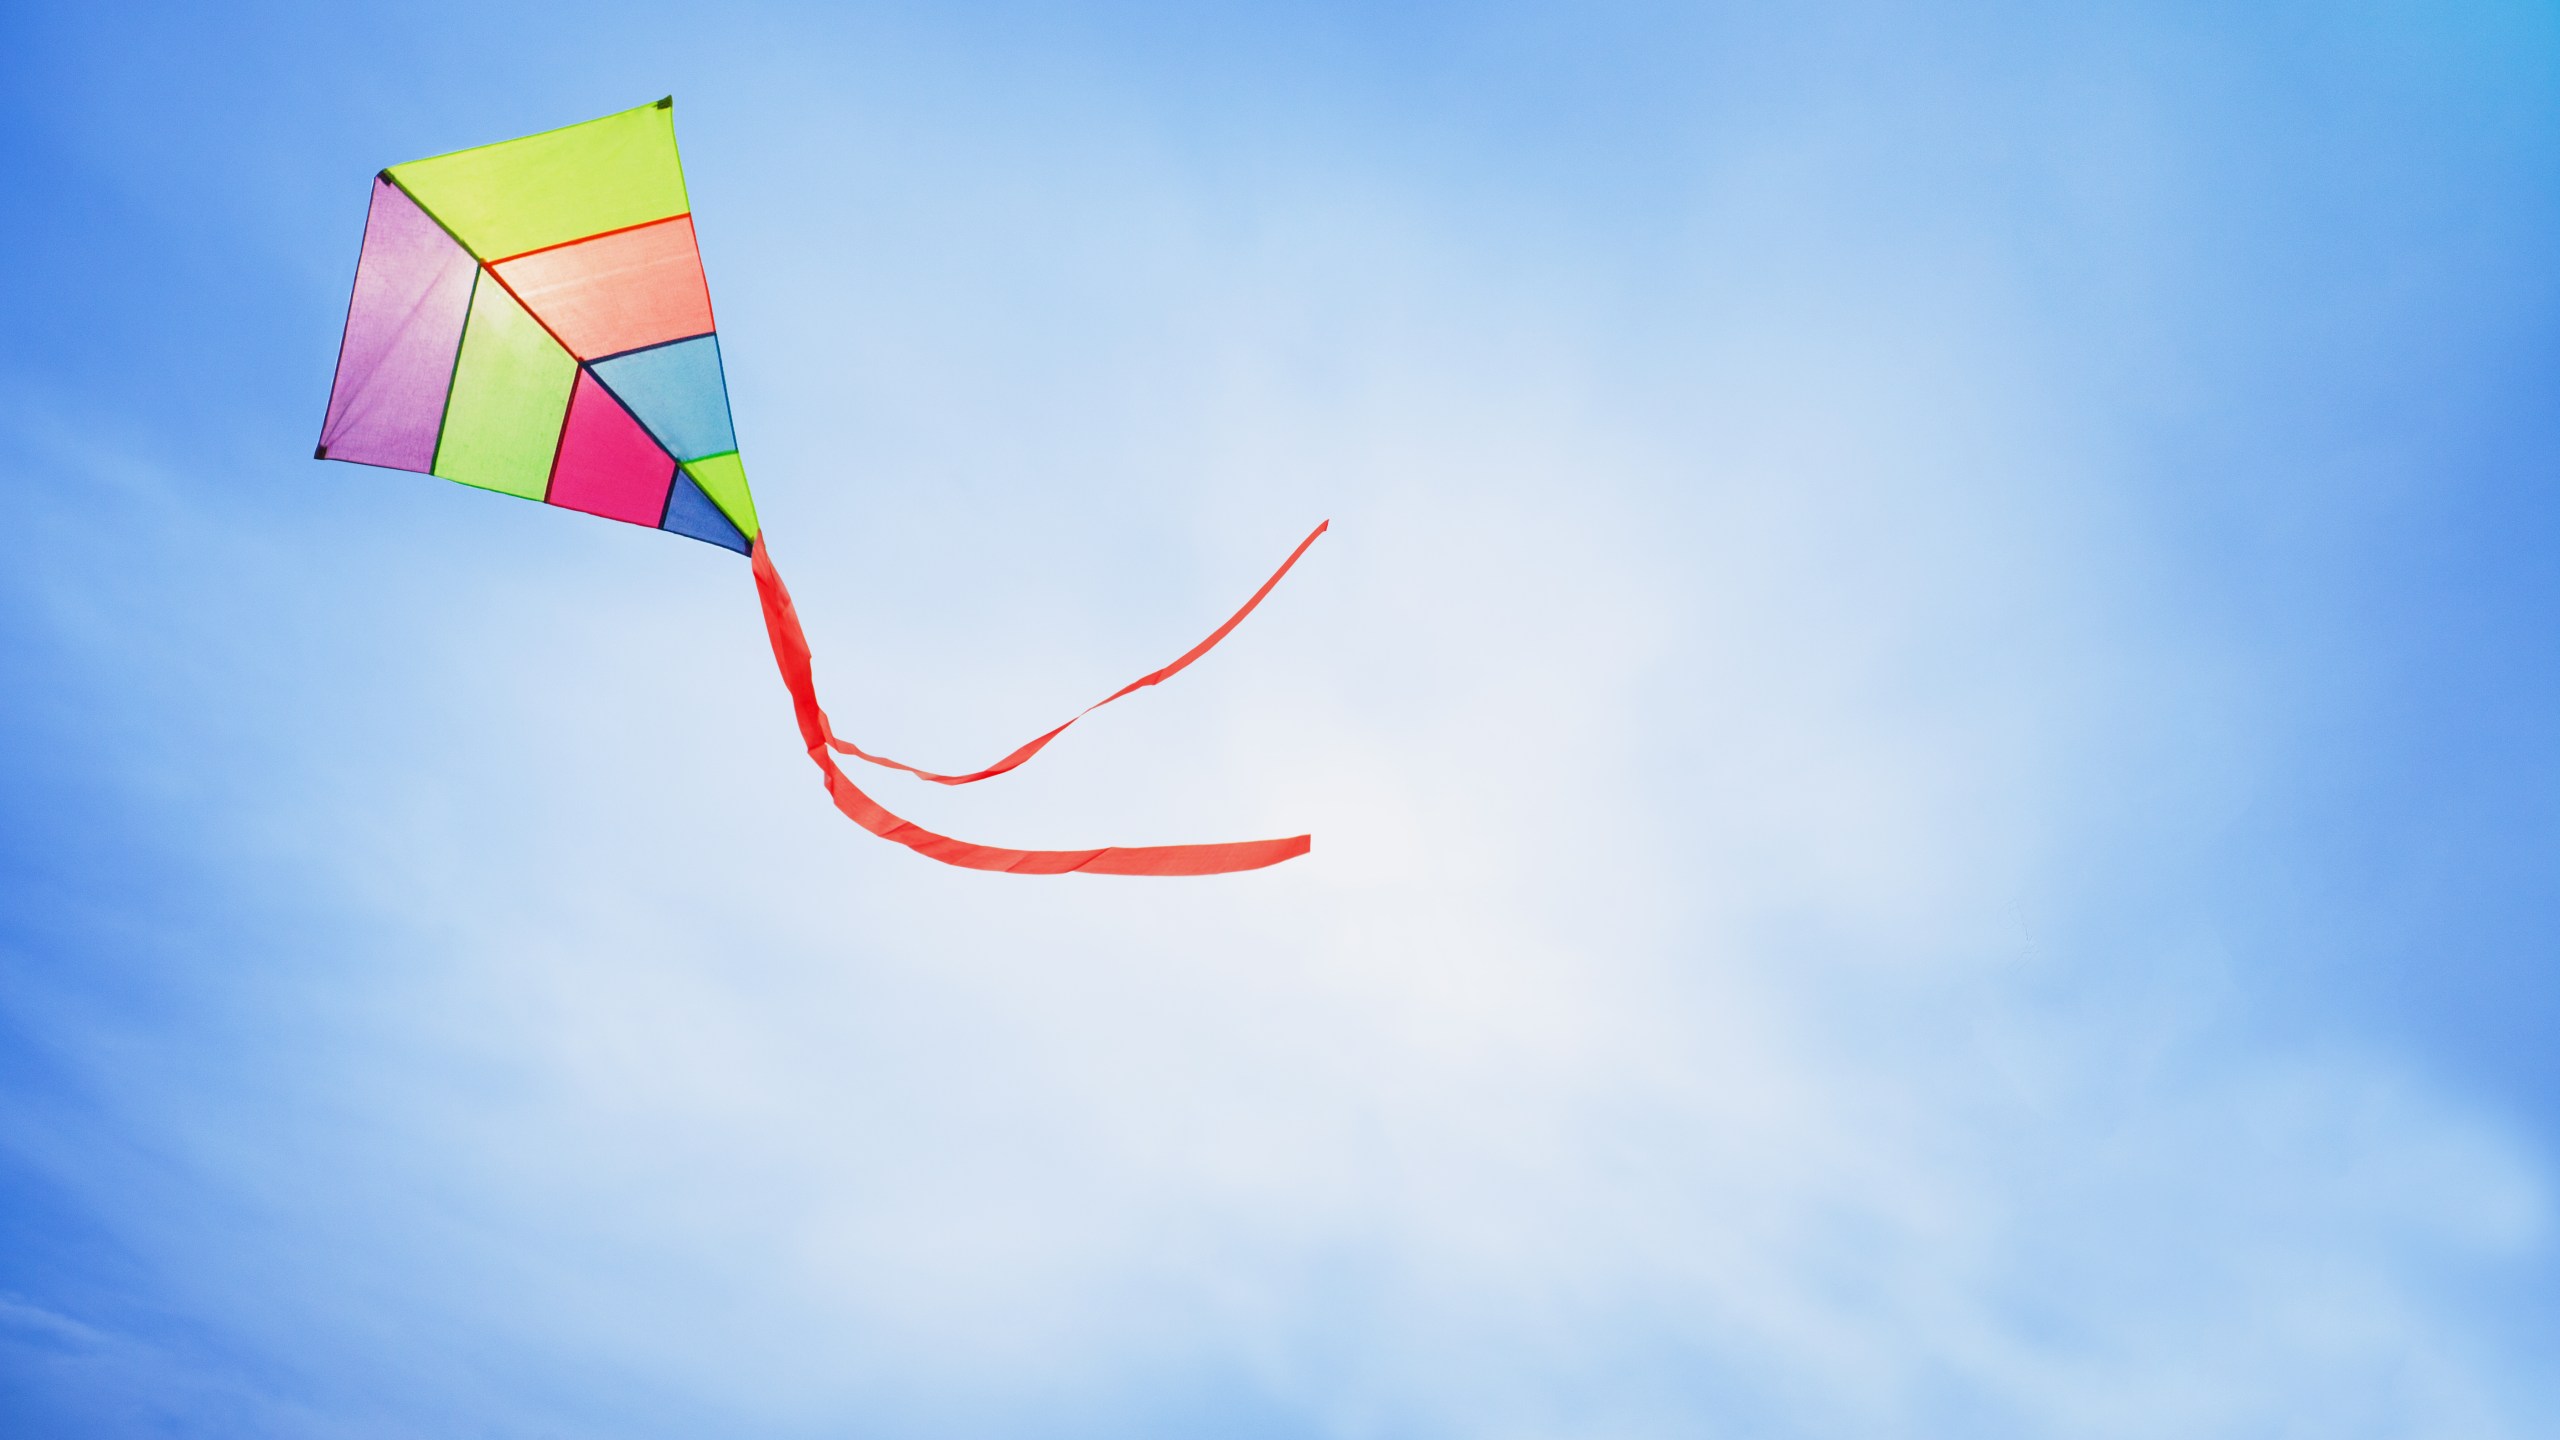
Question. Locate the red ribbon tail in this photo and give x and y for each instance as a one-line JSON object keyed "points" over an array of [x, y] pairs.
{"points": [[791, 656], [1157, 677]]}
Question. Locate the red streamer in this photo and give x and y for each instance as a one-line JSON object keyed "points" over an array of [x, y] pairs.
{"points": [[846, 747], [791, 656]]}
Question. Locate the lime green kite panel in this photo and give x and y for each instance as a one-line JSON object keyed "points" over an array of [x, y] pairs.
{"points": [[510, 390], [560, 185], [725, 481]]}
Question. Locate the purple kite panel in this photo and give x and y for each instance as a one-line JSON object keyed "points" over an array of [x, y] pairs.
{"points": [[413, 291]]}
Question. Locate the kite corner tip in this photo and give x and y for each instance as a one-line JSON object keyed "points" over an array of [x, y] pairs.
{"points": [[320, 452], [666, 102]]}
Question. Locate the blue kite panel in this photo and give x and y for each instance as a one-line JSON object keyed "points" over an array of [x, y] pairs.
{"points": [[677, 391], [690, 512]]}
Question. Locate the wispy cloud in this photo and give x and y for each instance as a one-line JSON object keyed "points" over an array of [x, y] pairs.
{"points": [[1761, 971]]}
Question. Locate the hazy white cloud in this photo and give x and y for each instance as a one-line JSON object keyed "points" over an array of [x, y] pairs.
{"points": [[1720, 733]]}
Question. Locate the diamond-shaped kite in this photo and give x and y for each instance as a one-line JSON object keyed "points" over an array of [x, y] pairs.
{"points": [[531, 317]]}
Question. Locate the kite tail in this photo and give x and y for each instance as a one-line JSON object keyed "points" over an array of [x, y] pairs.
{"points": [[843, 746], [791, 655]]}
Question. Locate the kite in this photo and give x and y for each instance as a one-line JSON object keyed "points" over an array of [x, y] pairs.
{"points": [[531, 317]]}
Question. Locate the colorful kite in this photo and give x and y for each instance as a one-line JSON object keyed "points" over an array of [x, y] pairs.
{"points": [[531, 317]]}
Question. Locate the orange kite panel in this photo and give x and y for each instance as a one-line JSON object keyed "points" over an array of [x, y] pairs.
{"points": [[617, 291]]}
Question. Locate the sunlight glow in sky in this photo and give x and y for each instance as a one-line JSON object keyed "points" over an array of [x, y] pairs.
{"points": [[1928, 717]]}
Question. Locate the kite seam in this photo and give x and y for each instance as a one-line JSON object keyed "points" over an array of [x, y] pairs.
{"points": [[491, 270], [536, 135], [645, 427], [561, 442], [432, 215], [338, 371], [660, 345], [583, 239], [444, 416]]}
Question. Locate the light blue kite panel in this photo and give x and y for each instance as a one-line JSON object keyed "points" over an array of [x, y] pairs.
{"points": [[677, 391]]}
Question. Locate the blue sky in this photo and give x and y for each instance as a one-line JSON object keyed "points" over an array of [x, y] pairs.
{"points": [[1928, 721]]}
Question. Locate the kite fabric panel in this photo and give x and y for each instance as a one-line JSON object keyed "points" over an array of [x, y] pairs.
{"points": [[618, 291], [725, 481], [607, 463], [690, 512], [677, 390], [413, 292], [533, 318], [511, 386]]}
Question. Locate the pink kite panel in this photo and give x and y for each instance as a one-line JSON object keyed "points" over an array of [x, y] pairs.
{"points": [[607, 464], [404, 326]]}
